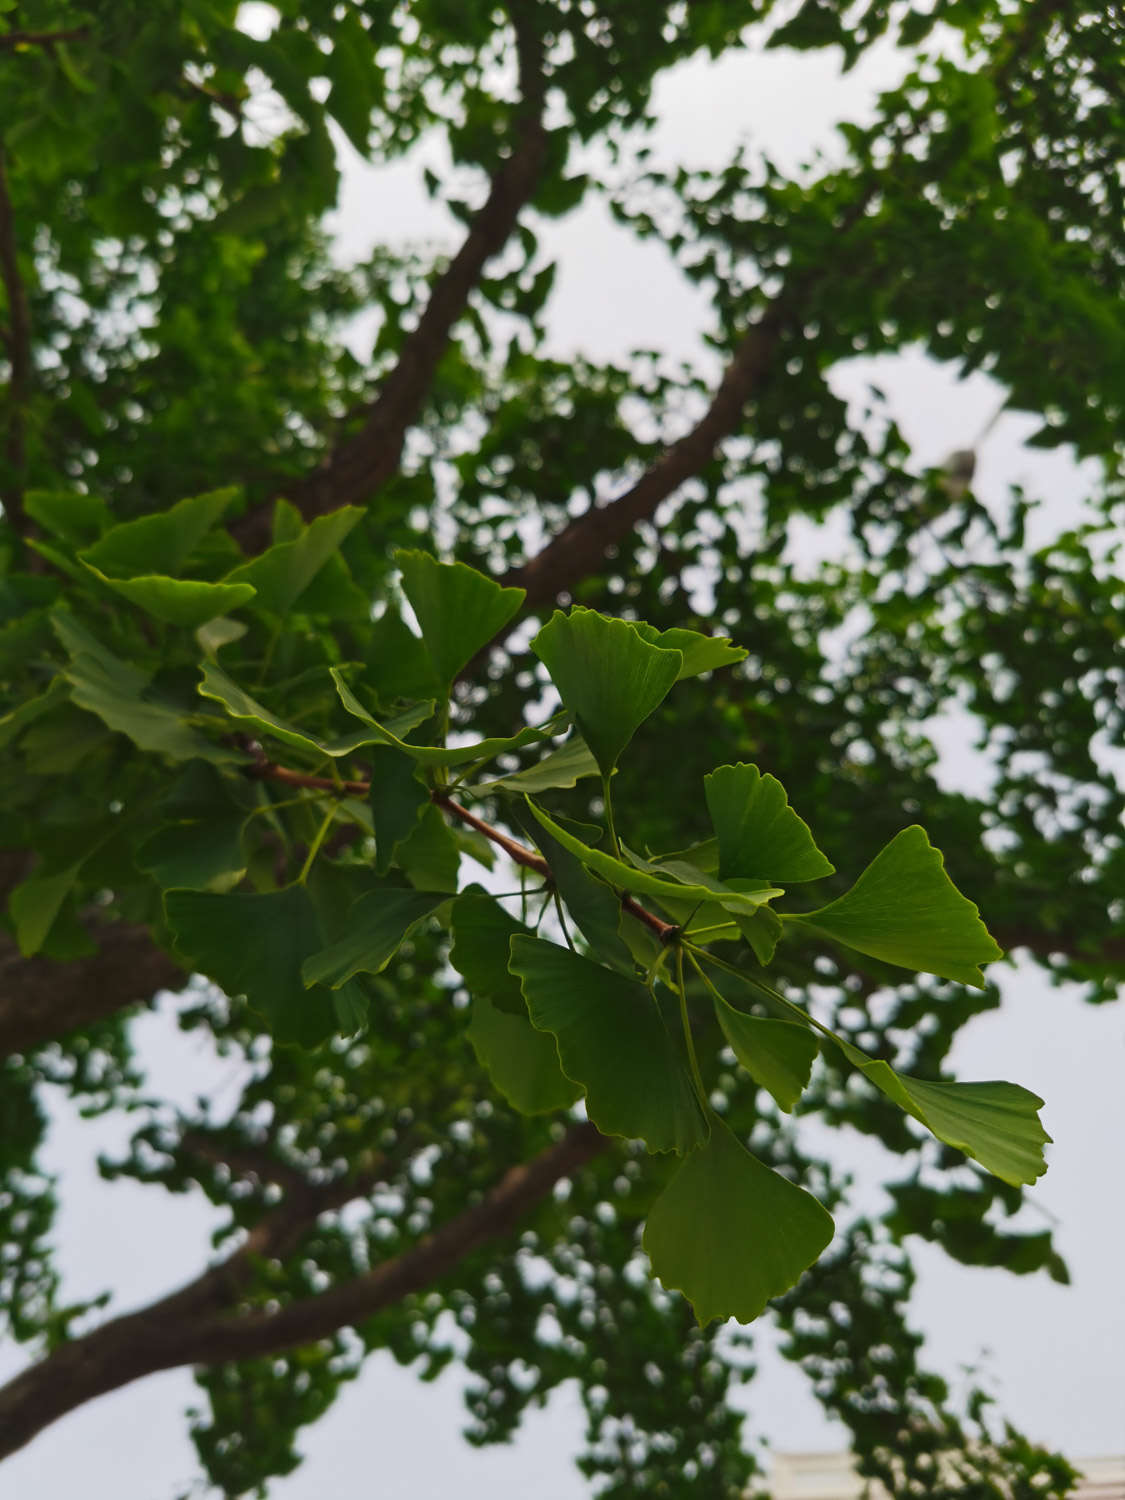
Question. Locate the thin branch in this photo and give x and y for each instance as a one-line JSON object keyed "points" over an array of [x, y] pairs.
{"points": [[10, 40], [18, 344], [268, 770], [354, 471], [579, 549], [177, 1330]]}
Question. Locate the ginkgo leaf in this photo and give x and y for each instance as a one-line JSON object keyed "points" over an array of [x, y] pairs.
{"points": [[433, 755], [778, 1055], [905, 910], [482, 933], [562, 768], [116, 691], [282, 573], [608, 677], [522, 1061], [646, 882], [730, 1233], [458, 609], [996, 1123], [161, 542], [397, 801], [613, 1039], [760, 836], [178, 601], [253, 943], [378, 924], [593, 905], [701, 653]]}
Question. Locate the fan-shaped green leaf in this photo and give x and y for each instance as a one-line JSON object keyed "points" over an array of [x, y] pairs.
{"points": [[282, 573], [562, 768], [729, 1233], [482, 932], [458, 609], [905, 910], [178, 601], [614, 1040], [378, 924], [522, 1062], [158, 543], [760, 836], [608, 677], [996, 1123], [644, 881], [254, 944], [701, 653], [778, 1055]]}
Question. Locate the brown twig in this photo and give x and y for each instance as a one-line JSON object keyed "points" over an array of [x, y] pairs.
{"points": [[198, 1325], [267, 770], [10, 40]]}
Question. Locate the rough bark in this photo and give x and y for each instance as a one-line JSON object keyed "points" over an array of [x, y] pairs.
{"points": [[191, 1327], [44, 998]]}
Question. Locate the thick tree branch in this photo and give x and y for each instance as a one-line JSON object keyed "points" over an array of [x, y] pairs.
{"points": [[580, 548], [177, 1330], [17, 342], [44, 998], [358, 467]]}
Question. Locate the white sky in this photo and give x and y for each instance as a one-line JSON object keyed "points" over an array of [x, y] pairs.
{"points": [[1053, 1353]]}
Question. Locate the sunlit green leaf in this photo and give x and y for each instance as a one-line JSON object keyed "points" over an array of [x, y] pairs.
{"points": [[701, 653], [730, 1233], [996, 1123]]}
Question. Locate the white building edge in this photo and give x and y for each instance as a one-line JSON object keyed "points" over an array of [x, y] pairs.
{"points": [[831, 1476]]}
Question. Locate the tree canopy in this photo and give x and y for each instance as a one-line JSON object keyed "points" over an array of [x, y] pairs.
{"points": [[466, 735]]}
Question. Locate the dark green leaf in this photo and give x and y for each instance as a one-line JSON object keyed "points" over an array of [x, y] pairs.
{"points": [[254, 944], [614, 1040], [159, 543], [397, 798], [522, 1062], [482, 933], [378, 924], [282, 573], [729, 1233]]}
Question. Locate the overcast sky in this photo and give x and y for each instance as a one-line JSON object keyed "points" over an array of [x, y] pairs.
{"points": [[1052, 1354]]}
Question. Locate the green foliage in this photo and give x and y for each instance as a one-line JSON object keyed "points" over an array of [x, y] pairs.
{"points": [[258, 728]]}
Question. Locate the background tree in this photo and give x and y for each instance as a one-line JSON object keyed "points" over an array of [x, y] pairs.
{"points": [[173, 327]]}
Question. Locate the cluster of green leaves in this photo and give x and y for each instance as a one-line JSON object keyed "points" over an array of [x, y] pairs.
{"points": [[605, 1018]]}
